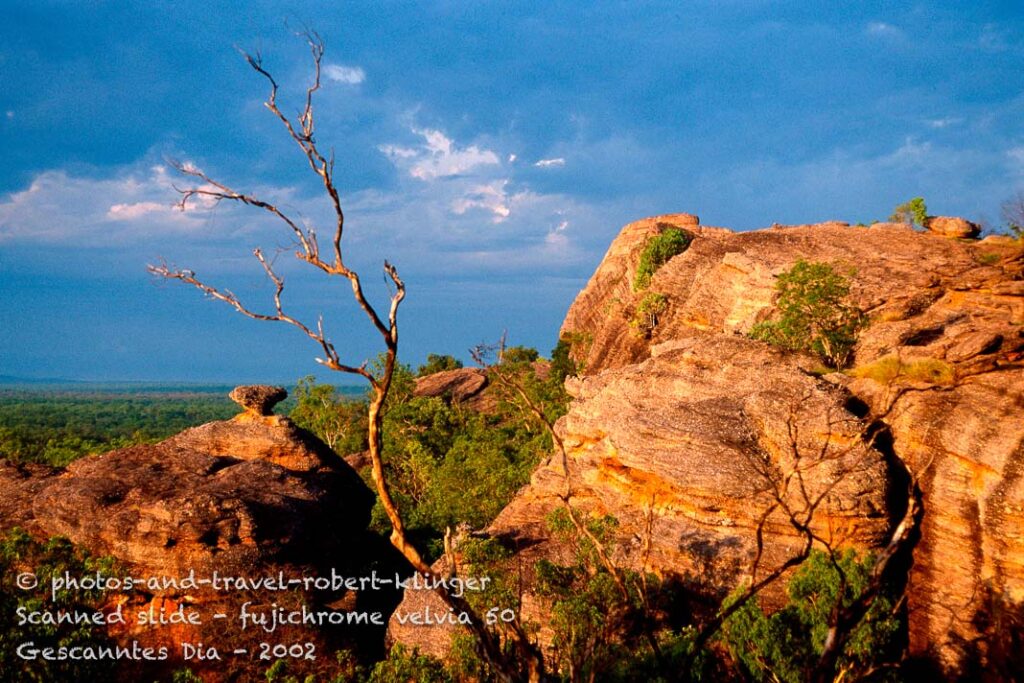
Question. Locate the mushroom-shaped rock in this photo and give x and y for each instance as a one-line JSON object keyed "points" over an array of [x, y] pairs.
{"points": [[952, 226], [258, 399]]}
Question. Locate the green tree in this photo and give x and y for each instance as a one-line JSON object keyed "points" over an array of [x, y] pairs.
{"points": [[649, 308], [338, 421], [785, 646], [562, 363], [438, 363], [913, 212], [519, 354], [814, 313]]}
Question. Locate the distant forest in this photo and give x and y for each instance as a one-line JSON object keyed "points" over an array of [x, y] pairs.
{"points": [[55, 425]]}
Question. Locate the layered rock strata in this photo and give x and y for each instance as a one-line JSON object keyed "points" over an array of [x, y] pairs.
{"points": [[664, 425]]}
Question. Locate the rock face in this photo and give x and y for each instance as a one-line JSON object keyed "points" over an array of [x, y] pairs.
{"points": [[221, 495], [245, 497], [671, 431], [681, 449], [952, 226]]}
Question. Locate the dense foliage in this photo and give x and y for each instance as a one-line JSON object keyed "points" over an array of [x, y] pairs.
{"points": [[56, 427], [438, 363], [447, 464], [785, 645], [337, 418], [814, 313], [657, 251], [596, 625], [21, 553]]}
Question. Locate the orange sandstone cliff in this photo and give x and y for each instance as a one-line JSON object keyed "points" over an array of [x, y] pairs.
{"points": [[669, 426]]}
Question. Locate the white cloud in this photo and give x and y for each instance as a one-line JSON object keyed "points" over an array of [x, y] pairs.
{"points": [[133, 205], [129, 212], [943, 122], [556, 240], [349, 75], [438, 157], [10, 113], [881, 29], [491, 197], [456, 205], [548, 163], [481, 216]]}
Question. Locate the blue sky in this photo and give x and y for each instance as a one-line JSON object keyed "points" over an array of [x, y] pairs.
{"points": [[491, 150]]}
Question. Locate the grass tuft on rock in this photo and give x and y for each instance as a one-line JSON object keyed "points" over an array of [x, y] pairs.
{"points": [[891, 369]]}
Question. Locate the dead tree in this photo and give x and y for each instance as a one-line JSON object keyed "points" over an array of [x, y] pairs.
{"points": [[1013, 214], [332, 263], [302, 133]]}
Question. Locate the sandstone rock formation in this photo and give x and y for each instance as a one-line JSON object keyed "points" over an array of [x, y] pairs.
{"points": [[952, 226], [223, 503], [258, 399], [675, 448], [663, 428], [461, 385], [245, 497], [470, 387]]}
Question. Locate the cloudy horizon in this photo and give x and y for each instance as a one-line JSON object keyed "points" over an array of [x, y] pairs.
{"points": [[491, 152]]}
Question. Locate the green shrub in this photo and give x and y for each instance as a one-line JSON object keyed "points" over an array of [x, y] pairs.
{"points": [[786, 645], [438, 363], [449, 465], [403, 666], [593, 625], [657, 251], [988, 258], [913, 212], [19, 552], [519, 354], [813, 314], [645, 318], [562, 363]]}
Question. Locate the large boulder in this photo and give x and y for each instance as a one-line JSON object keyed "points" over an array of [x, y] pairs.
{"points": [[247, 498], [213, 497], [952, 226], [460, 385]]}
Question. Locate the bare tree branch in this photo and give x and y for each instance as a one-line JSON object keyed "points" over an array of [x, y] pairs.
{"points": [[302, 132]]}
